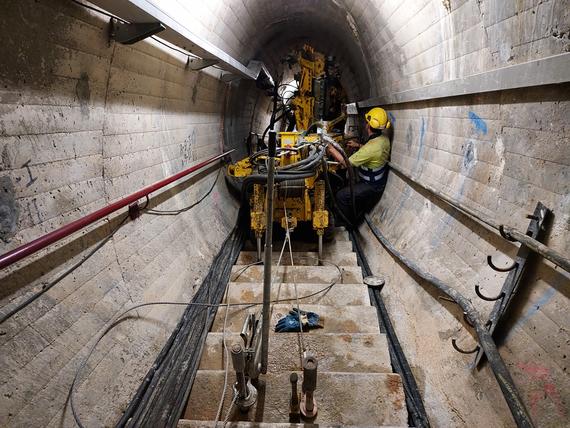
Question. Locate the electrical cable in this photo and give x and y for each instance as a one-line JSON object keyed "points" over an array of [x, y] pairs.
{"points": [[152, 211], [50, 284], [414, 403], [486, 342], [100, 245], [117, 319], [227, 369]]}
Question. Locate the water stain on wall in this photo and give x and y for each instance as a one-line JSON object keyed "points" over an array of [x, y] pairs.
{"points": [[9, 212], [409, 136], [83, 93], [468, 155]]}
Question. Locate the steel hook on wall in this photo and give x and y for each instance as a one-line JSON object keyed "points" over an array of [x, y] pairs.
{"points": [[488, 299], [461, 351], [499, 269], [505, 234]]}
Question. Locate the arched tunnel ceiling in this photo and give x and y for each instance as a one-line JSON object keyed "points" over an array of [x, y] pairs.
{"points": [[273, 30], [327, 27], [260, 29]]}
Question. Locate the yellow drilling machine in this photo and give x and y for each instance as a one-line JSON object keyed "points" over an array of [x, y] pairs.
{"points": [[299, 163]]}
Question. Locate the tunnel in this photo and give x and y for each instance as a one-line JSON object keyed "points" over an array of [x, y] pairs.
{"points": [[470, 239]]}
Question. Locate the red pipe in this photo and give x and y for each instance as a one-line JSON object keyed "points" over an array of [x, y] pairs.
{"points": [[43, 241]]}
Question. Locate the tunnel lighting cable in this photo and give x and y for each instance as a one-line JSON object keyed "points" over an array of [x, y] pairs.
{"points": [[55, 281], [152, 211], [100, 245], [117, 319]]}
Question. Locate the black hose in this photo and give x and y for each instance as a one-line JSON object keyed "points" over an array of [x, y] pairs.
{"points": [[56, 281], [350, 171], [498, 366], [416, 410], [269, 127], [312, 164], [302, 162], [161, 397], [332, 196]]}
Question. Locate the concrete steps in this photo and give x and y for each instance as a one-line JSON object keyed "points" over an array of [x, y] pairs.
{"points": [[336, 352], [342, 398], [307, 258], [341, 294], [185, 423], [301, 246], [298, 274], [334, 319], [355, 387]]}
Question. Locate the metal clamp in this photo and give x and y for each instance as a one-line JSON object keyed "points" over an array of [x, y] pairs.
{"points": [[128, 34]]}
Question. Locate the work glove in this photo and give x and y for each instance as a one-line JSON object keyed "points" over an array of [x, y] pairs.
{"points": [[290, 323]]}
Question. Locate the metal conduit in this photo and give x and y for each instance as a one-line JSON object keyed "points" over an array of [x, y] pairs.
{"points": [[508, 232], [498, 366], [34, 246]]}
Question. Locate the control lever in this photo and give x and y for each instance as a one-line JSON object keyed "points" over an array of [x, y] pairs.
{"points": [[308, 404]]}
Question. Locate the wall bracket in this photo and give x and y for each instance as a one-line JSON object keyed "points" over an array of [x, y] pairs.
{"points": [[513, 280], [197, 64], [128, 34]]}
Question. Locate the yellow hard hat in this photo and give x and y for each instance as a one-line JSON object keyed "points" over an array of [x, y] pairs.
{"points": [[377, 118]]}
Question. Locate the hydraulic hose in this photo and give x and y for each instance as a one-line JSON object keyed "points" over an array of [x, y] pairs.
{"points": [[350, 171], [332, 196], [315, 153]]}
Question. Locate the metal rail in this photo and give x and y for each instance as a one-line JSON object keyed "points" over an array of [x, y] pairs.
{"points": [[25, 250], [177, 31], [544, 71], [498, 366], [508, 232]]}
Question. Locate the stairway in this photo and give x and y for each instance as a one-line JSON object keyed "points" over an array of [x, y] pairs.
{"points": [[356, 386]]}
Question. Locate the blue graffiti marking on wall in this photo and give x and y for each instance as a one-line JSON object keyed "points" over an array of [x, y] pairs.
{"points": [[392, 118], [478, 123]]}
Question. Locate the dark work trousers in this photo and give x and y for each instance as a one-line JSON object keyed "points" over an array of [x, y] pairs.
{"points": [[366, 196]]}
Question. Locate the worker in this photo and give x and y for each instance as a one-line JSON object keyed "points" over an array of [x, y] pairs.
{"points": [[370, 160]]}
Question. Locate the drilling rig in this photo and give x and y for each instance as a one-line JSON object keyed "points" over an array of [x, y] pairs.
{"points": [[313, 110]]}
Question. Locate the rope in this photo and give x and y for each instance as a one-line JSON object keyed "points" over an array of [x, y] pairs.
{"points": [[227, 369], [302, 348]]}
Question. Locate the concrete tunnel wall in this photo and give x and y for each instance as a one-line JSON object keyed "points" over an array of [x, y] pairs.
{"points": [[84, 122]]}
